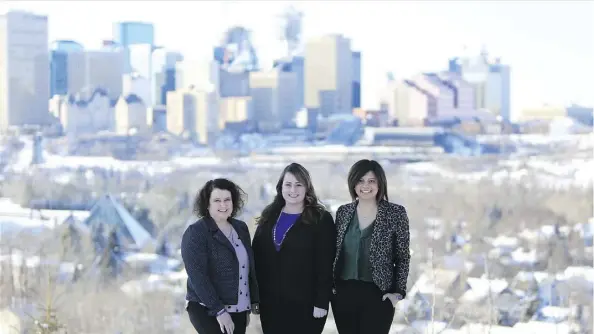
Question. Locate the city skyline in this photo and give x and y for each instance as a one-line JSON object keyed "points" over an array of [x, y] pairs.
{"points": [[519, 33]]}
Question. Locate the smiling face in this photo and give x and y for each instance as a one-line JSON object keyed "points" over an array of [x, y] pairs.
{"points": [[293, 190], [366, 188], [220, 205]]}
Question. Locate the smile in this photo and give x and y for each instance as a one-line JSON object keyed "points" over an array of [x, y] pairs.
{"points": [[366, 191], [293, 196], [223, 210]]}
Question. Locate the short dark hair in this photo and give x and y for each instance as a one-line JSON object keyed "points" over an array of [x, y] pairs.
{"points": [[202, 199], [362, 167]]}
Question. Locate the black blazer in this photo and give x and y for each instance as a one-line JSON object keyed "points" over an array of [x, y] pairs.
{"points": [[389, 252], [212, 265], [301, 272]]}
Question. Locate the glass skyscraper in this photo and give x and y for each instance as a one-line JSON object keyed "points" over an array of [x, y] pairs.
{"points": [[128, 34], [59, 51]]}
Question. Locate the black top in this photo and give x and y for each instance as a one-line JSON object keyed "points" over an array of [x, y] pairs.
{"points": [[212, 265], [301, 271]]}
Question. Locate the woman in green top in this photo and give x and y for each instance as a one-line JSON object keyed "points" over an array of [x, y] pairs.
{"points": [[372, 258]]}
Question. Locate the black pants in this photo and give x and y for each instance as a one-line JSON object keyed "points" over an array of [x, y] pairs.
{"points": [[358, 308], [289, 318], [206, 324]]}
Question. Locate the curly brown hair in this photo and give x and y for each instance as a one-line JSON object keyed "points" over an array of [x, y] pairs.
{"points": [[202, 200]]}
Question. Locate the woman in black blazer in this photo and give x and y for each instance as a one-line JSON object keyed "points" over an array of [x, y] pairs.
{"points": [[294, 249], [372, 258], [217, 254]]}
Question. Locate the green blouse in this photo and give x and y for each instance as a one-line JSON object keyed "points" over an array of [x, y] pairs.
{"points": [[356, 265]]}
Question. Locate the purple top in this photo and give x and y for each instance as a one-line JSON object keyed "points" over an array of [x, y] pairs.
{"points": [[285, 222], [243, 293]]}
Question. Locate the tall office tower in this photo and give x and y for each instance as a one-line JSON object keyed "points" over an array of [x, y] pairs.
{"points": [[328, 75], [24, 69], [356, 97], [141, 58], [273, 98], [192, 113], [60, 73], [104, 69], [127, 34], [296, 65], [163, 76], [490, 79]]}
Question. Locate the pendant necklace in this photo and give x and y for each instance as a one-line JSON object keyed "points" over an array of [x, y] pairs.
{"points": [[274, 232]]}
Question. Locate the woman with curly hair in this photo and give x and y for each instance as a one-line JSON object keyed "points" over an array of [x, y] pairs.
{"points": [[222, 289], [294, 246]]}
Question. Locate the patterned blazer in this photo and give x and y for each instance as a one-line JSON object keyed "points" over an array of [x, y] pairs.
{"points": [[389, 252]]}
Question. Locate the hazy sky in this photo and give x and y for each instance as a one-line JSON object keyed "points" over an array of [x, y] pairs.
{"points": [[549, 44]]}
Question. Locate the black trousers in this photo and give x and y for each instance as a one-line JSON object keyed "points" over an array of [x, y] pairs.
{"points": [[358, 308], [289, 318], [206, 324]]}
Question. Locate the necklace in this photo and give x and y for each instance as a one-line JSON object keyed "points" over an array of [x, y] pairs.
{"points": [[230, 235], [274, 232]]}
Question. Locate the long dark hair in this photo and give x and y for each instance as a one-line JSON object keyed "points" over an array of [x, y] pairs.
{"points": [[312, 208]]}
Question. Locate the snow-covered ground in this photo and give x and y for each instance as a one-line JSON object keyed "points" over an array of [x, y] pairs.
{"points": [[15, 218], [23, 160], [548, 172]]}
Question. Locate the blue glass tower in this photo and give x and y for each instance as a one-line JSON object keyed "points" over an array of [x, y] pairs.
{"points": [[59, 51], [133, 33]]}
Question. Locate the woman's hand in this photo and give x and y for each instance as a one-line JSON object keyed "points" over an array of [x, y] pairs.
{"points": [[256, 309], [319, 312], [394, 298], [226, 323]]}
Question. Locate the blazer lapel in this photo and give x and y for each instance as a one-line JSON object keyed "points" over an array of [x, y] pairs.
{"points": [[379, 232], [218, 235], [343, 223], [242, 236]]}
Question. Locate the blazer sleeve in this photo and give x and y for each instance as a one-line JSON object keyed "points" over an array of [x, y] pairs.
{"points": [[401, 249], [325, 244], [195, 256]]}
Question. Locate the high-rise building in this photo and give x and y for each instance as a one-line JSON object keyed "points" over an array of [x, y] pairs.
{"points": [[24, 69], [59, 67], [135, 84], [328, 75], [356, 94], [141, 58], [189, 114], [104, 69], [490, 79], [273, 98], [130, 33], [164, 74], [130, 115], [407, 104], [296, 65], [127, 34]]}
